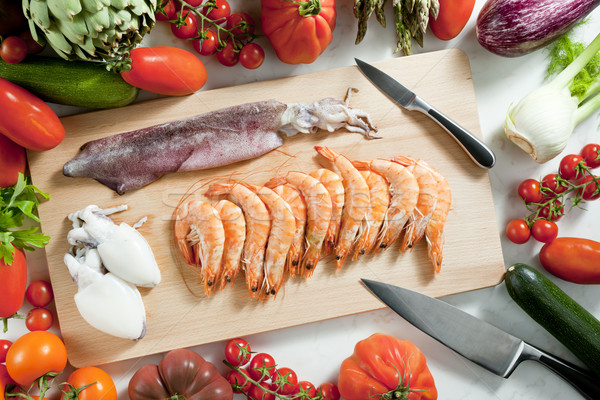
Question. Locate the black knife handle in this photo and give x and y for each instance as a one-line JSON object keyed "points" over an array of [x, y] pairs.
{"points": [[584, 381], [479, 152]]}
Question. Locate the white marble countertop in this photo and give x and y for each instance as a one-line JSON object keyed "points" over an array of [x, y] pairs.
{"points": [[315, 351]]}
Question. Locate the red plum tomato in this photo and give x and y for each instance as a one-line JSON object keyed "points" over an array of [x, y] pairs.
{"points": [[591, 155], [39, 319], [544, 231], [13, 49], [252, 56], [529, 190], [517, 231], [39, 293], [571, 167], [12, 161], [262, 367], [237, 352]]}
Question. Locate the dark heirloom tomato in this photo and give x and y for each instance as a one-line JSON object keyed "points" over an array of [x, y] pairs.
{"points": [[384, 365], [572, 259], [183, 373]]}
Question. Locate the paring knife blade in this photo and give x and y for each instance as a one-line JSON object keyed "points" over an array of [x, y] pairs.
{"points": [[479, 152], [477, 340]]}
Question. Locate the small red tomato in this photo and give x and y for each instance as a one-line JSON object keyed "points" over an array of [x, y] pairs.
{"points": [[285, 381], [194, 3], [189, 28], [591, 190], [208, 45], [529, 190], [39, 319], [571, 167], [306, 389], [39, 293], [33, 47], [591, 155], [167, 12], [262, 367], [220, 12], [240, 23], [544, 231], [13, 49], [237, 352], [238, 382], [252, 56], [228, 55], [257, 392], [552, 183], [4, 346], [329, 391], [552, 211], [518, 231]]}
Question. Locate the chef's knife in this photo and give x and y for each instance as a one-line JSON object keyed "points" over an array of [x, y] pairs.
{"points": [[479, 152], [477, 340]]}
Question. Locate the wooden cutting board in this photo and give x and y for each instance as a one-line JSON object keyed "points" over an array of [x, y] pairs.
{"points": [[178, 313]]}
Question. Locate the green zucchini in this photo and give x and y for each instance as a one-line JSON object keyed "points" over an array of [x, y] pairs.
{"points": [[75, 83], [558, 313]]}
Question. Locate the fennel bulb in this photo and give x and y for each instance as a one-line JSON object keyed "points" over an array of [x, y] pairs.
{"points": [[542, 122]]}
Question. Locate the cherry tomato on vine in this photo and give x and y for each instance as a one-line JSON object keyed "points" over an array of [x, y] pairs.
{"points": [[518, 231], [529, 190], [252, 56], [544, 231], [13, 49], [237, 352], [591, 191], [187, 30], [237, 381], [553, 211], [262, 367], [39, 293], [101, 385], [4, 346], [285, 381], [329, 391], [305, 388], [257, 393], [168, 12], [591, 155], [571, 166], [550, 182], [228, 55], [194, 3], [240, 23], [39, 319], [222, 11], [208, 45]]}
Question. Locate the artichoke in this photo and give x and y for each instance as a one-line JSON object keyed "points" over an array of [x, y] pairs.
{"points": [[97, 30]]}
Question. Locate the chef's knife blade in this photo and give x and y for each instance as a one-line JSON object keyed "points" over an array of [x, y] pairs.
{"points": [[479, 152], [477, 340]]}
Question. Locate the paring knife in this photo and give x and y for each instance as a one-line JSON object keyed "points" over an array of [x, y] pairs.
{"points": [[477, 340], [479, 152]]}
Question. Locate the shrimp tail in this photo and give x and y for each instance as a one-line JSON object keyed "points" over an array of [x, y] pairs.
{"points": [[326, 152], [217, 189], [274, 182], [361, 165]]}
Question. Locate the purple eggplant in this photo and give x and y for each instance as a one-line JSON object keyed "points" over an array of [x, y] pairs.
{"points": [[512, 28]]}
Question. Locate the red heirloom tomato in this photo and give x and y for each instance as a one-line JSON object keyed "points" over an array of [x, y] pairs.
{"points": [[182, 373], [27, 120], [165, 70], [101, 385], [572, 259], [12, 161], [299, 31], [452, 18], [384, 365], [34, 355], [13, 281]]}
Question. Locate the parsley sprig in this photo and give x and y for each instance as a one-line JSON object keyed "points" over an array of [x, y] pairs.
{"points": [[16, 203]]}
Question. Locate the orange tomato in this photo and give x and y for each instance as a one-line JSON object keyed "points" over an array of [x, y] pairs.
{"points": [[452, 18], [34, 355], [101, 385]]}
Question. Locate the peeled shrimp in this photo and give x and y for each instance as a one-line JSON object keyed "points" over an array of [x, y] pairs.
{"points": [[371, 225], [204, 232], [426, 203], [258, 226], [318, 203], [234, 226], [283, 227], [356, 202], [404, 193], [298, 205], [335, 187]]}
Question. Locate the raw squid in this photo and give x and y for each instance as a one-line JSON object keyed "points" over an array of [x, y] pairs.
{"points": [[137, 158]]}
